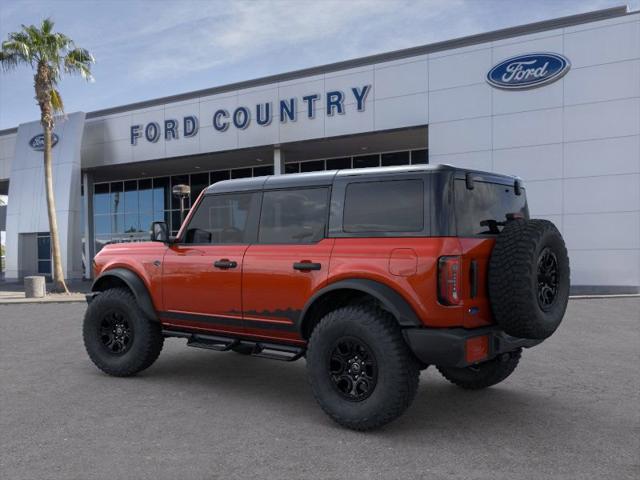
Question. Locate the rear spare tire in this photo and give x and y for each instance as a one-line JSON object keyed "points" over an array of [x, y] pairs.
{"points": [[529, 278]]}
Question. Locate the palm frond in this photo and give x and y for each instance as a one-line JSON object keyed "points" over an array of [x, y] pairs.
{"points": [[47, 26], [9, 61], [79, 61], [56, 101]]}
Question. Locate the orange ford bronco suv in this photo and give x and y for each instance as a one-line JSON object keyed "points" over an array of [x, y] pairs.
{"points": [[371, 275]]}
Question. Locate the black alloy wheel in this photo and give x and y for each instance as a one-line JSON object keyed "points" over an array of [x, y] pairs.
{"points": [[547, 279], [353, 369], [116, 332]]}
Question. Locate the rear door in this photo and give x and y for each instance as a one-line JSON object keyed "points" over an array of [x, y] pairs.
{"points": [[289, 261], [202, 273]]}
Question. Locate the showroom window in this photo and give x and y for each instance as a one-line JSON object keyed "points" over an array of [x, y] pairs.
{"points": [[124, 210]]}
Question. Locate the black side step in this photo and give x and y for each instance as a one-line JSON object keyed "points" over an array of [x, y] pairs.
{"points": [[211, 342], [273, 351]]}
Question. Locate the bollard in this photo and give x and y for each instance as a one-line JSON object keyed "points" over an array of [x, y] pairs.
{"points": [[34, 287]]}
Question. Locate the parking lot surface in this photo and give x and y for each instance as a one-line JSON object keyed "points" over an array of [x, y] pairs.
{"points": [[570, 411]]}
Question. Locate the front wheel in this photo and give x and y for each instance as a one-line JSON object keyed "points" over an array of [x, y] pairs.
{"points": [[360, 369], [119, 338], [484, 374]]}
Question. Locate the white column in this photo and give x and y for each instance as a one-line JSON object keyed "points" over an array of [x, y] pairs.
{"points": [[87, 184], [278, 161]]}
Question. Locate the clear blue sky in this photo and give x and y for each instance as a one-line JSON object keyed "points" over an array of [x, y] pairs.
{"points": [[149, 49]]}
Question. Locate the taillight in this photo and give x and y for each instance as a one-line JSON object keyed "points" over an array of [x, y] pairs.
{"points": [[449, 280]]}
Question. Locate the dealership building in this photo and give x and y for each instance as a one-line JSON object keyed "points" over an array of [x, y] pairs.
{"points": [[555, 102]]}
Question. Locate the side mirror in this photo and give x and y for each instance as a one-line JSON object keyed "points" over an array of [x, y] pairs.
{"points": [[159, 232]]}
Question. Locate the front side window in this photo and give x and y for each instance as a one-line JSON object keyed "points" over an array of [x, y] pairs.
{"points": [[221, 219], [384, 206], [294, 216]]}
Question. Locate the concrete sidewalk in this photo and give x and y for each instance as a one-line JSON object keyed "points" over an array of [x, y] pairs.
{"points": [[11, 293]]}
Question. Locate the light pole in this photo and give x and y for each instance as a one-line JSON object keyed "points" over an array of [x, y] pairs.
{"points": [[182, 192]]}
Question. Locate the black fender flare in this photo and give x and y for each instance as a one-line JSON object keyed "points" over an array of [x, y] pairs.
{"points": [[388, 297], [135, 284]]}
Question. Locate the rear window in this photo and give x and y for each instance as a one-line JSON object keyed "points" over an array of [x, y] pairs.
{"points": [[479, 210], [384, 206]]}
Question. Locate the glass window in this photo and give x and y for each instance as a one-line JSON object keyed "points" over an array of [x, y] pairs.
{"points": [[294, 216], [44, 247], [419, 157], [262, 171], [338, 163], [241, 173], [218, 176], [199, 181], [178, 180], [395, 158], [161, 194], [487, 202], [101, 198], [131, 223], [224, 218], [386, 206], [117, 198], [146, 219], [313, 166], [291, 168], [366, 161], [145, 195], [117, 223], [44, 266], [176, 221], [131, 203], [102, 224]]}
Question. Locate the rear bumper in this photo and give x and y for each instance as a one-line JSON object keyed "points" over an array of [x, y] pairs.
{"points": [[447, 346]]}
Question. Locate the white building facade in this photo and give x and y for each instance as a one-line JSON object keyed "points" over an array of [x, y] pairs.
{"points": [[571, 131]]}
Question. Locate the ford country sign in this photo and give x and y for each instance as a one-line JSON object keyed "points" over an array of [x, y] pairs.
{"points": [[37, 142], [528, 71]]}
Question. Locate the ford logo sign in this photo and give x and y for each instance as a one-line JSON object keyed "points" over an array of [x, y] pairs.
{"points": [[528, 71], [37, 142]]}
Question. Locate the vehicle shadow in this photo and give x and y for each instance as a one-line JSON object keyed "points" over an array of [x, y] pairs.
{"points": [[438, 406]]}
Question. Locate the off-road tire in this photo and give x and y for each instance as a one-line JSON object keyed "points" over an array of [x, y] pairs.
{"points": [[147, 339], [397, 370], [484, 374], [514, 278]]}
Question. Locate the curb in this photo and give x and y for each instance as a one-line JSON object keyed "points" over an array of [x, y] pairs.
{"points": [[22, 301]]}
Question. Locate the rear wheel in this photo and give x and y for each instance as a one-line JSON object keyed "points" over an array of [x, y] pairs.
{"points": [[360, 369], [484, 374], [118, 337]]}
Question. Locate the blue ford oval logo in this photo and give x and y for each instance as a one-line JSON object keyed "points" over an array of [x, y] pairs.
{"points": [[528, 71], [37, 142]]}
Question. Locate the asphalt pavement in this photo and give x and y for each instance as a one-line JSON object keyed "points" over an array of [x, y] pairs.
{"points": [[570, 411]]}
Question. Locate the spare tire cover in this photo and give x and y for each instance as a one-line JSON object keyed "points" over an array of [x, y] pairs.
{"points": [[529, 278]]}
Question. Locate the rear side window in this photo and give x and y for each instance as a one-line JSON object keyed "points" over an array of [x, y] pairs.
{"points": [[294, 216], [220, 219], [479, 210], [384, 206]]}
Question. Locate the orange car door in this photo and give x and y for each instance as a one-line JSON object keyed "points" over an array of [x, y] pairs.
{"points": [[202, 273], [288, 263]]}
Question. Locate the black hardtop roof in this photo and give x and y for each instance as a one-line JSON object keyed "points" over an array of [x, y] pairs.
{"points": [[326, 178]]}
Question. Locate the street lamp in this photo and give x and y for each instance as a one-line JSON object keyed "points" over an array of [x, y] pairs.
{"points": [[182, 192]]}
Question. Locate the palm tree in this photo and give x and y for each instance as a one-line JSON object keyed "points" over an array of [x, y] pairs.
{"points": [[49, 54]]}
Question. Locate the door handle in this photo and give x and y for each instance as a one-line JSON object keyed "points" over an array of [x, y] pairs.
{"points": [[225, 264], [306, 265]]}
